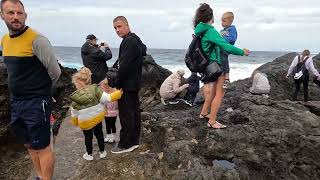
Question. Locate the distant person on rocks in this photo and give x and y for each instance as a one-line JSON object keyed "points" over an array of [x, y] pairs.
{"points": [[32, 70], [88, 110], [229, 33], [111, 116], [212, 42], [193, 89], [94, 57], [299, 70], [173, 88], [128, 79]]}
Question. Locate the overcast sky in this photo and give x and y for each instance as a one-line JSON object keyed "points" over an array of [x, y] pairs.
{"points": [[287, 25]]}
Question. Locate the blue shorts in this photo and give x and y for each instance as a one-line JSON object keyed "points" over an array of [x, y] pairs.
{"points": [[225, 61], [30, 121]]}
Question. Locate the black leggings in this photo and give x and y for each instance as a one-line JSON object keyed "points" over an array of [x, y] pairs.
{"points": [[305, 81], [88, 135], [110, 124]]}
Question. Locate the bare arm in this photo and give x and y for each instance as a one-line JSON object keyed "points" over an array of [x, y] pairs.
{"points": [[177, 88]]}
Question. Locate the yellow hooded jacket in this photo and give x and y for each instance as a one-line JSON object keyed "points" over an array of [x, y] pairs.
{"points": [[88, 106]]}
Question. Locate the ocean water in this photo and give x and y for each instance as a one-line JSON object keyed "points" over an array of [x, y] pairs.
{"points": [[241, 67]]}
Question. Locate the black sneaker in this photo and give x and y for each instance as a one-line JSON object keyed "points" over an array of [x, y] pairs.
{"points": [[188, 102], [119, 150]]}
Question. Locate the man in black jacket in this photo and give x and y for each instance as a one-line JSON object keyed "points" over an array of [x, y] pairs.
{"points": [[128, 79], [95, 57]]}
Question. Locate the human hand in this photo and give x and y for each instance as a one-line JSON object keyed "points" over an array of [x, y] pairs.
{"points": [[246, 51], [186, 85], [104, 44]]}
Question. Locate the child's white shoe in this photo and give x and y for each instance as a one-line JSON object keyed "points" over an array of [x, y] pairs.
{"points": [[107, 139], [103, 154], [112, 138], [87, 157]]}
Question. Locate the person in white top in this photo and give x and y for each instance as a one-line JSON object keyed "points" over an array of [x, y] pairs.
{"points": [[299, 70]]}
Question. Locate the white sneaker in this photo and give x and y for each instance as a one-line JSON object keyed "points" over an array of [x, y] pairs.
{"points": [[87, 157], [107, 138], [135, 147], [103, 154], [173, 102], [110, 138]]}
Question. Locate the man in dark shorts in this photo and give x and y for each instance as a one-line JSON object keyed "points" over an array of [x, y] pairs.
{"points": [[32, 69]]}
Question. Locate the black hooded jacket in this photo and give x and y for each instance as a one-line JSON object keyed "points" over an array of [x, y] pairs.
{"points": [[131, 54], [95, 59]]}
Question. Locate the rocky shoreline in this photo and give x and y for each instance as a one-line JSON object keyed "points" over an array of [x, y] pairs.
{"points": [[267, 137]]}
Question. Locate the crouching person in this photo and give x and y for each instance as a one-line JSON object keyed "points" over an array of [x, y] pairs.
{"points": [[193, 89], [172, 88], [88, 110]]}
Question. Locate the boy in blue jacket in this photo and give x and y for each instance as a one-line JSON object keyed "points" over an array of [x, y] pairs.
{"points": [[229, 33], [193, 89]]}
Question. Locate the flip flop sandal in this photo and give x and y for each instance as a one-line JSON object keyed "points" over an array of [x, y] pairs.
{"points": [[216, 125], [201, 116]]}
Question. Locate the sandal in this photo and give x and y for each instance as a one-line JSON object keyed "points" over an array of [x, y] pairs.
{"points": [[216, 125], [207, 116], [226, 83]]}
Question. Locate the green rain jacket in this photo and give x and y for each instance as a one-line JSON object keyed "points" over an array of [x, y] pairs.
{"points": [[212, 42]]}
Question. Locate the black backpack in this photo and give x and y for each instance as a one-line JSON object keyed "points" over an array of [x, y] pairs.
{"points": [[300, 68], [195, 59]]}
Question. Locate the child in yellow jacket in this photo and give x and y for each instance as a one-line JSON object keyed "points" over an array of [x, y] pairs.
{"points": [[88, 109]]}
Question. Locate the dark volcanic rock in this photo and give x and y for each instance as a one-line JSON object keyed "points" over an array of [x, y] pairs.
{"points": [[152, 77], [317, 57], [266, 138], [4, 101]]}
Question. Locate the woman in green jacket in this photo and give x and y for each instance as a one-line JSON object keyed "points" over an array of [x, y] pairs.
{"points": [[211, 43]]}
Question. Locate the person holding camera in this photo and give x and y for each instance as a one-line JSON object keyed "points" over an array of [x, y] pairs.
{"points": [[94, 57]]}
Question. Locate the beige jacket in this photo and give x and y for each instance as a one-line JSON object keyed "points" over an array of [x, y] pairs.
{"points": [[171, 86]]}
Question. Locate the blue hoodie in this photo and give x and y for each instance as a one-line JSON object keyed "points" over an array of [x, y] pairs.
{"points": [[230, 34]]}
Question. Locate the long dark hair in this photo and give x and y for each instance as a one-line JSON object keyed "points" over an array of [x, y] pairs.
{"points": [[203, 14]]}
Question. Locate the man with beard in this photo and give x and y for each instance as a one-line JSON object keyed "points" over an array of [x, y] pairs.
{"points": [[32, 69], [128, 79]]}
